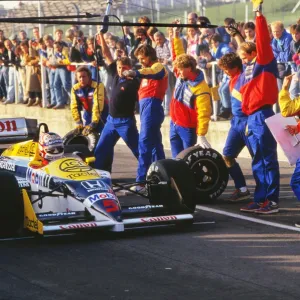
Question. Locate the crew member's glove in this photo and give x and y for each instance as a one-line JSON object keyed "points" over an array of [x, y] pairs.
{"points": [[257, 5], [129, 73], [78, 129], [203, 142], [233, 30], [87, 130]]}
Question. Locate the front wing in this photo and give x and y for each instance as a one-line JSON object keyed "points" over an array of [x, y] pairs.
{"points": [[33, 224]]}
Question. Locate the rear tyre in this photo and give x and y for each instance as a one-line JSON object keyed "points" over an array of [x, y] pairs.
{"points": [[178, 195], [209, 170], [12, 207], [90, 140]]}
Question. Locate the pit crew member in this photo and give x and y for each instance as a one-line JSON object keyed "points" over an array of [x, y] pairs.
{"points": [[152, 91], [289, 108], [121, 121], [236, 140], [259, 93], [88, 96], [190, 107]]}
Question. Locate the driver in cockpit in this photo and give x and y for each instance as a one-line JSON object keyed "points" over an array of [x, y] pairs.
{"points": [[50, 147]]}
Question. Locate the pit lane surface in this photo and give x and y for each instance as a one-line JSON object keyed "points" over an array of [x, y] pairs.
{"points": [[227, 258]]}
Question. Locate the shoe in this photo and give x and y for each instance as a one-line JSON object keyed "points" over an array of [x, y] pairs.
{"points": [[141, 189], [50, 105], [251, 207], [237, 195], [297, 224], [26, 101], [30, 102], [269, 207], [59, 106], [8, 102], [225, 114], [38, 102]]}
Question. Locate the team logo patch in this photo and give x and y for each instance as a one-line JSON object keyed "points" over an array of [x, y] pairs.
{"points": [[73, 165]]}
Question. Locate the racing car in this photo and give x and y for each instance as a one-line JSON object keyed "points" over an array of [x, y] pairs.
{"points": [[69, 195]]}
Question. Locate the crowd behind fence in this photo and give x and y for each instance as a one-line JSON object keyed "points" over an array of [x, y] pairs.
{"points": [[40, 71]]}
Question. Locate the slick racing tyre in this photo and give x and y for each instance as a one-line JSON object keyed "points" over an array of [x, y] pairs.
{"points": [[173, 185], [82, 150], [209, 169], [90, 140], [12, 207]]}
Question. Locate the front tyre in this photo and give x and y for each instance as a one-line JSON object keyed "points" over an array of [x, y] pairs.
{"points": [[172, 184]]}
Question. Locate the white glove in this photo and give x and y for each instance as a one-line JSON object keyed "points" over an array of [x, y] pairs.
{"points": [[129, 73], [203, 142]]}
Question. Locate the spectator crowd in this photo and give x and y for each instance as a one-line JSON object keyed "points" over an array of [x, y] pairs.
{"points": [[21, 59]]}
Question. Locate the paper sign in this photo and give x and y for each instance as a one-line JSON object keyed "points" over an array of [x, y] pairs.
{"points": [[290, 144]]}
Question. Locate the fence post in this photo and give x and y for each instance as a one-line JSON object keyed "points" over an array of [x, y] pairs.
{"points": [[43, 69]]}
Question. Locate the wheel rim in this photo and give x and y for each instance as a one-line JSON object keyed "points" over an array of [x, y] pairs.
{"points": [[206, 174]]}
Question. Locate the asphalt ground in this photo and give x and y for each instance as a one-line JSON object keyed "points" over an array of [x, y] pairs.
{"points": [[225, 255]]}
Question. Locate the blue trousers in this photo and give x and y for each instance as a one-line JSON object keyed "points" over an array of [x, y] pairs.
{"points": [[181, 138], [224, 93], [150, 139], [265, 165], [62, 85], [87, 117], [112, 131], [235, 142], [295, 180]]}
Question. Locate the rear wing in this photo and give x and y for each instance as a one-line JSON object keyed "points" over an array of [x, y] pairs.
{"points": [[14, 130]]}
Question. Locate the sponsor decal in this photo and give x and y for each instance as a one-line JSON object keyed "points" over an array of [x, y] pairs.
{"points": [[159, 219], [37, 177], [201, 153], [110, 205], [73, 165], [61, 214], [219, 191], [9, 125], [77, 226], [82, 174], [27, 150], [100, 196], [9, 166], [94, 185], [31, 224], [145, 206], [23, 184]]}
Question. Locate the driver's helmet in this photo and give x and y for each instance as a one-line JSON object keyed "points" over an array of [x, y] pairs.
{"points": [[51, 146]]}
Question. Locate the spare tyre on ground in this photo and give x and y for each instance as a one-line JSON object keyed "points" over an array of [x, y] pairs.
{"points": [[209, 170]]}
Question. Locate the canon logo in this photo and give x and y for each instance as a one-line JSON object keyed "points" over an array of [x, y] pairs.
{"points": [[8, 126], [78, 226], [159, 219]]}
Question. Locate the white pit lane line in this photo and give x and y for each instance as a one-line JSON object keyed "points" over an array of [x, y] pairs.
{"points": [[245, 218]]}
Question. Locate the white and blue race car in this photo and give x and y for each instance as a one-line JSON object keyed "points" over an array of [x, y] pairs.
{"points": [[69, 195]]}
